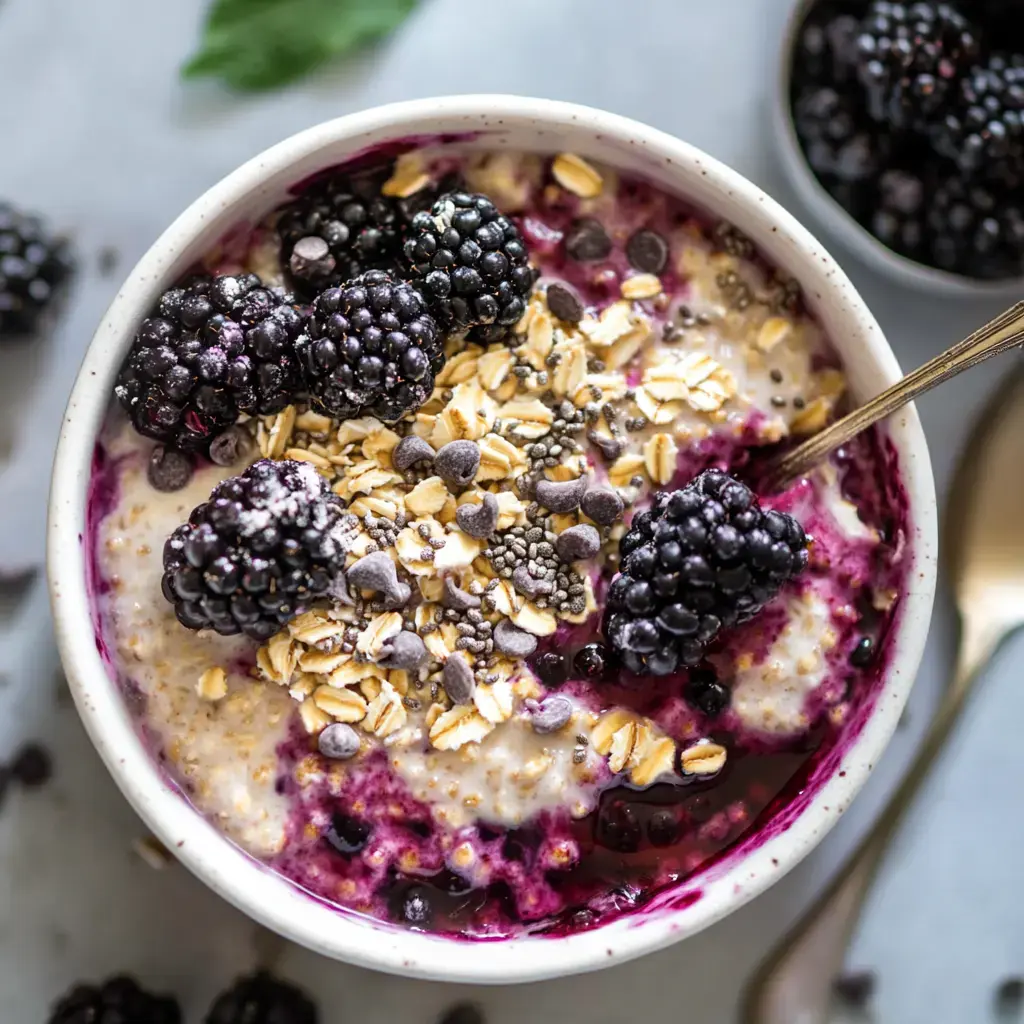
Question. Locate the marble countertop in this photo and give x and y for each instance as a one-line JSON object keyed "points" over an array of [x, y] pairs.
{"points": [[98, 132]]}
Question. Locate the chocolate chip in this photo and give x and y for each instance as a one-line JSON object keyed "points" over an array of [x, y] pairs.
{"points": [[587, 241], [454, 597], [602, 505], [457, 462], [646, 250], [228, 448], [338, 741], [560, 496], [169, 470], [32, 766], [311, 257], [397, 597], [404, 651], [565, 304], [578, 543], [609, 447], [527, 585], [410, 450], [374, 571], [478, 521], [513, 641], [458, 679], [551, 714]]}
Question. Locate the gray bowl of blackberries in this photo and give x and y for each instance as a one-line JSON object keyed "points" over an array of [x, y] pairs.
{"points": [[901, 125]]}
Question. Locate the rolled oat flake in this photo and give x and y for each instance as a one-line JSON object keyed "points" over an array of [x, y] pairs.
{"points": [[338, 741], [513, 641], [458, 680], [551, 714], [169, 470], [457, 462]]}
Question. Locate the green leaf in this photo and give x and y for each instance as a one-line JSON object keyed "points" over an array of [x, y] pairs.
{"points": [[261, 44]]}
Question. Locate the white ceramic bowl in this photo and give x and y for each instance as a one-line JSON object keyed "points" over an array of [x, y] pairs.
{"points": [[248, 194], [837, 221]]}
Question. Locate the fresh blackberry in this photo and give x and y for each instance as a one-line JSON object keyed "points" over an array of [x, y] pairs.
{"points": [[263, 547], [213, 348], [370, 347], [976, 231], [260, 998], [899, 218], [698, 560], [827, 47], [984, 126], [910, 56], [836, 137], [32, 265], [116, 1001], [361, 230], [472, 265]]}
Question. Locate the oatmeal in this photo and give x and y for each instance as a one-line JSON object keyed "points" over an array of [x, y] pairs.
{"points": [[435, 578]]}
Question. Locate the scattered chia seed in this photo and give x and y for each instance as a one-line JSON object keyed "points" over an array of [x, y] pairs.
{"points": [[776, 376], [778, 402], [799, 402]]}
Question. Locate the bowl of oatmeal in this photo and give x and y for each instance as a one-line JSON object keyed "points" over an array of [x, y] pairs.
{"points": [[408, 557]]}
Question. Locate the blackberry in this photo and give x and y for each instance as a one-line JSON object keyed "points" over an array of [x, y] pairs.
{"points": [[698, 560], [118, 1000], [370, 347], [984, 127], [909, 58], [827, 48], [975, 230], [213, 348], [258, 552], [472, 265], [836, 137], [360, 229], [260, 998], [32, 265], [899, 218]]}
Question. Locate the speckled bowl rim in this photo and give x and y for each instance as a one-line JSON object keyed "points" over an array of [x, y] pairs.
{"points": [[830, 214], [267, 897]]}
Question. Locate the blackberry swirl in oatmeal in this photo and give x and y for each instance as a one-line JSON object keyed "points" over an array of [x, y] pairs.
{"points": [[424, 542]]}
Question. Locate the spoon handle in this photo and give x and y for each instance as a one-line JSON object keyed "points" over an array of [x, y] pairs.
{"points": [[1004, 332], [795, 983]]}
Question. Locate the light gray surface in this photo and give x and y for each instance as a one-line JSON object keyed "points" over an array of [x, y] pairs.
{"points": [[96, 130]]}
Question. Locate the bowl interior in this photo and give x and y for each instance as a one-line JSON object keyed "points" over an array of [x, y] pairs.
{"points": [[241, 200]]}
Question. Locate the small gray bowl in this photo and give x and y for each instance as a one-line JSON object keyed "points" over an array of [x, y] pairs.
{"points": [[852, 235]]}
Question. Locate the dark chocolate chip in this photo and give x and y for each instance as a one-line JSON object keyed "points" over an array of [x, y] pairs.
{"points": [[410, 450], [169, 470], [228, 448], [458, 679], [646, 250], [587, 241], [564, 303], [560, 496], [404, 651], [397, 597], [551, 714], [602, 505], [457, 462], [374, 571], [311, 257], [478, 521], [513, 641], [338, 741], [578, 543], [460, 600], [609, 447]]}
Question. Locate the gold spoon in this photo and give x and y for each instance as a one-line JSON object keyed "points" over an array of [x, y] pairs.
{"points": [[998, 335], [985, 558]]}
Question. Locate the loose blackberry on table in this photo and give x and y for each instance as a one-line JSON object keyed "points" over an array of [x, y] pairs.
{"points": [[370, 348], [214, 348], [118, 1000], [265, 545], [698, 560], [360, 229], [33, 263], [260, 998], [472, 265]]}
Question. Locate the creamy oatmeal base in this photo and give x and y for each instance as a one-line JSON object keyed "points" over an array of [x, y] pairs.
{"points": [[664, 375]]}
